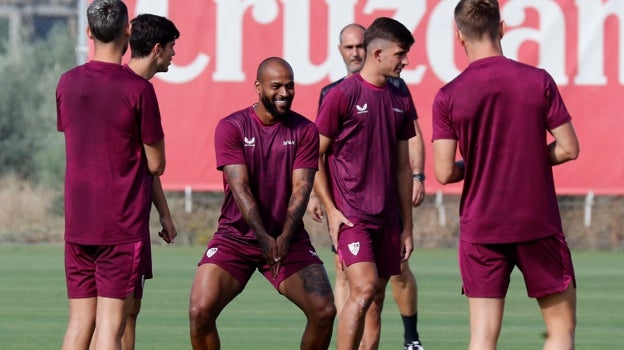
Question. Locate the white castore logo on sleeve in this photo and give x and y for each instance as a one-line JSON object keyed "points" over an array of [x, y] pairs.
{"points": [[250, 142]]}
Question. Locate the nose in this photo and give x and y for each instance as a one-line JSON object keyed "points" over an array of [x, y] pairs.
{"points": [[284, 92]]}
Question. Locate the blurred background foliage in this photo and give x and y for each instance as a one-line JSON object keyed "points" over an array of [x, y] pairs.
{"points": [[32, 149]]}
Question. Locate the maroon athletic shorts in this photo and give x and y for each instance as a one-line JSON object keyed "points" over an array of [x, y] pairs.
{"points": [[111, 271], [241, 260], [371, 242], [545, 263]]}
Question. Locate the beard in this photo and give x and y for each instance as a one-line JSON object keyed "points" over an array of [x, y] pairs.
{"points": [[272, 107]]}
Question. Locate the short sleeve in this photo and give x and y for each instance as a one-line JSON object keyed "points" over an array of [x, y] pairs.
{"points": [[407, 130], [59, 116], [413, 114], [228, 147], [557, 113], [151, 126], [307, 148], [441, 119], [330, 113]]}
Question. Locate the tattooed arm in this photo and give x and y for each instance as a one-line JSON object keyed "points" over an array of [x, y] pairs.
{"points": [[237, 178], [303, 180]]}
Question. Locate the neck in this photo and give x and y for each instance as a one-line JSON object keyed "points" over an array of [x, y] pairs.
{"points": [[142, 67], [372, 76], [108, 52], [477, 50], [264, 115]]}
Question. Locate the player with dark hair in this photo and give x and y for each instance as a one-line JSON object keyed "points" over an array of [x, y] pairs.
{"points": [[404, 287], [499, 111], [269, 155], [114, 147], [151, 34], [152, 39], [365, 175]]}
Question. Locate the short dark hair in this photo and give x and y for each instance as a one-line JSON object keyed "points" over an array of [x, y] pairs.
{"points": [[107, 19], [388, 29], [476, 18], [149, 30]]}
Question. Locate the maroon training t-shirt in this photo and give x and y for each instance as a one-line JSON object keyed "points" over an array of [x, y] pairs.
{"points": [[499, 111], [107, 113], [365, 123], [271, 153]]}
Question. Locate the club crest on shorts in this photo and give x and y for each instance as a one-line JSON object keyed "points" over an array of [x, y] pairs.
{"points": [[211, 252], [354, 248]]}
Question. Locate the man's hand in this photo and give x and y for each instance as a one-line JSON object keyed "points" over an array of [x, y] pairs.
{"points": [[315, 209], [168, 232], [270, 252], [407, 245], [418, 193], [335, 219]]}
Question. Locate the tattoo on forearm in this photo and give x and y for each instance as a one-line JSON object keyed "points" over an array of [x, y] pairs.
{"points": [[299, 199], [236, 177]]}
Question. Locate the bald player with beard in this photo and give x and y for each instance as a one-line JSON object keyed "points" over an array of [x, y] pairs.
{"points": [[269, 156]]}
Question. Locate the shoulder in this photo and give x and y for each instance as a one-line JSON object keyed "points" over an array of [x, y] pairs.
{"points": [[527, 74], [347, 89], [298, 121], [330, 86], [237, 118], [73, 73], [400, 84]]}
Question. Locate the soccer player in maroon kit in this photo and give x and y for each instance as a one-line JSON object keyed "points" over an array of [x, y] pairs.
{"points": [[269, 156], [498, 111], [404, 287], [114, 147], [365, 180], [152, 39]]}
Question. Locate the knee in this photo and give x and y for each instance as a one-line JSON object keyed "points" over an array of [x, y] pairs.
{"points": [[200, 315], [134, 311], [324, 313], [405, 278], [363, 294]]}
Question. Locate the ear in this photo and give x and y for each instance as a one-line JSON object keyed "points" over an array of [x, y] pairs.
{"points": [[377, 54], [258, 86], [89, 34], [157, 49], [460, 37], [502, 29]]}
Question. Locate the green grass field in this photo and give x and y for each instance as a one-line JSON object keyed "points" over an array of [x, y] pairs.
{"points": [[33, 304]]}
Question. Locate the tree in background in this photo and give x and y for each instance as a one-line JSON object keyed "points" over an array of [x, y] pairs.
{"points": [[32, 149]]}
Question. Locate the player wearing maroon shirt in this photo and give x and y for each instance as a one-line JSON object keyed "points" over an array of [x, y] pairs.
{"points": [[152, 39], [365, 180], [114, 146], [404, 286], [498, 111], [268, 155]]}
